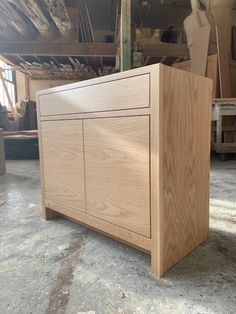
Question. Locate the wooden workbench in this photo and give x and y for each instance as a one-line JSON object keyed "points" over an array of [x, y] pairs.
{"points": [[221, 143], [128, 155]]}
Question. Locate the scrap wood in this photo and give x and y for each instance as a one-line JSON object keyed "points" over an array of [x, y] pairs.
{"points": [[201, 38]]}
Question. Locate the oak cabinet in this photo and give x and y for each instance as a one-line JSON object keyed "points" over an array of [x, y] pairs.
{"points": [[128, 155]]}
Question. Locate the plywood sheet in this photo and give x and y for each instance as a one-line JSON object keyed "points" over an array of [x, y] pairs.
{"points": [[201, 38]]}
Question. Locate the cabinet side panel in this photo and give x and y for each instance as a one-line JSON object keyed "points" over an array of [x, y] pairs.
{"points": [[186, 115]]}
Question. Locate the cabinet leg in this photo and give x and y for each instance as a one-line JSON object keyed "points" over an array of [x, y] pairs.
{"points": [[155, 264], [49, 213]]}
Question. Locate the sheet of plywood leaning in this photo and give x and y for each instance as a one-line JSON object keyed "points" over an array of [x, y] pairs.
{"points": [[128, 155]]}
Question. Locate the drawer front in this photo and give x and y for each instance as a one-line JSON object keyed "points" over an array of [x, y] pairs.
{"points": [[127, 93], [117, 171]]}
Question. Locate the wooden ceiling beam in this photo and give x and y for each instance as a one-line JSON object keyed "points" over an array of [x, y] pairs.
{"points": [[165, 50], [57, 49]]}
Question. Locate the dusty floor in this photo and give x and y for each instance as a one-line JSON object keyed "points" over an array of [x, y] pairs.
{"points": [[60, 267]]}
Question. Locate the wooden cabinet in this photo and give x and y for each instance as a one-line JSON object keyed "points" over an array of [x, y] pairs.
{"points": [[128, 155]]}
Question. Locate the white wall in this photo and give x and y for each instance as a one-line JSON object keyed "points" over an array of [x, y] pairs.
{"points": [[37, 85], [34, 86]]}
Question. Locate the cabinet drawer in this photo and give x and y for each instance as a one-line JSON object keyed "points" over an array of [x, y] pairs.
{"points": [[128, 93]]}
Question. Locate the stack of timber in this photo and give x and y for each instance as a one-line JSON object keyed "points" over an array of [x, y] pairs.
{"points": [[72, 70]]}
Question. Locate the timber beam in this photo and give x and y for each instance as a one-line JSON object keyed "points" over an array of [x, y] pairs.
{"points": [[165, 50], [58, 49]]}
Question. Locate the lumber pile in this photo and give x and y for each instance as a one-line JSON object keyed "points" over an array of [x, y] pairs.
{"points": [[73, 70]]}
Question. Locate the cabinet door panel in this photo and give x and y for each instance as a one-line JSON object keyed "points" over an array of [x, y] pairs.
{"points": [[117, 171], [63, 162]]}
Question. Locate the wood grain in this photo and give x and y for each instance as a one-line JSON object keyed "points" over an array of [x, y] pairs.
{"points": [[138, 175], [186, 110], [117, 171], [63, 162], [129, 93]]}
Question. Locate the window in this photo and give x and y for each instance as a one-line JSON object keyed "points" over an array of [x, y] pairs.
{"points": [[9, 76]]}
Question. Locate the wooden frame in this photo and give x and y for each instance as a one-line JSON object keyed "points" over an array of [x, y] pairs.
{"points": [[57, 49], [165, 131]]}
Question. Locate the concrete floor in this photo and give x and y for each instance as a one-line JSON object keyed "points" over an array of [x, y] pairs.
{"points": [[60, 267]]}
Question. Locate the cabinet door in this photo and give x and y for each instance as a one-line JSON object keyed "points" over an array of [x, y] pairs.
{"points": [[63, 162], [117, 171]]}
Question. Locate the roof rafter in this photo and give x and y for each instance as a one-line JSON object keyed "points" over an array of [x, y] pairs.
{"points": [[57, 49]]}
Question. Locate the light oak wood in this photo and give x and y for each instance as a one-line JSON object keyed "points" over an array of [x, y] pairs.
{"points": [[117, 171], [130, 93], [95, 115], [143, 174], [185, 162], [63, 162]]}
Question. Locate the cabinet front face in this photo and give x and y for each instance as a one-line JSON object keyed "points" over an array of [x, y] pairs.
{"points": [[63, 162], [117, 171]]}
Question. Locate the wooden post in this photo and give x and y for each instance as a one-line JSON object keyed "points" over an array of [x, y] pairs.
{"points": [[125, 35]]}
